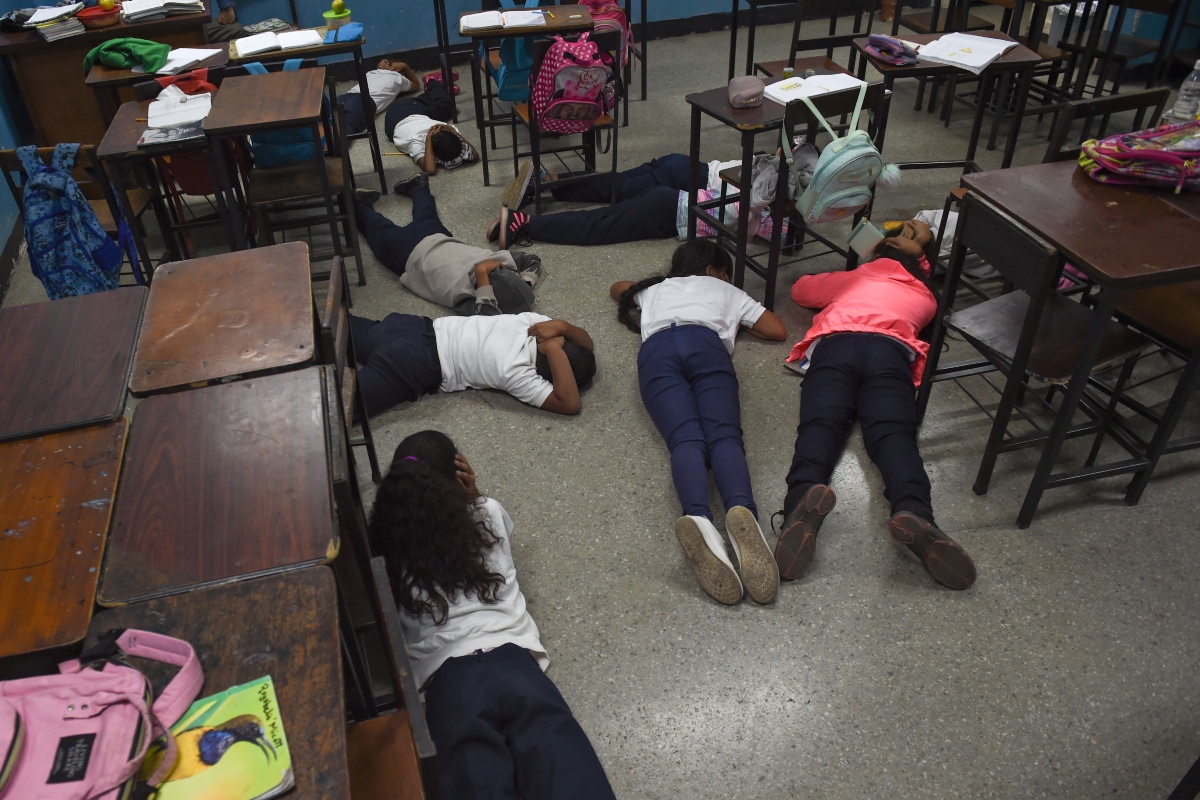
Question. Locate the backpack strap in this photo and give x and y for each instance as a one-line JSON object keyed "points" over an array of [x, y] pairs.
{"points": [[255, 68], [64, 156], [28, 156], [292, 64], [862, 96]]}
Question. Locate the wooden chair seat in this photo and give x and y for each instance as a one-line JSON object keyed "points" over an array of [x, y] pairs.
{"points": [[383, 759], [293, 182], [1127, 49], [1170, 312], [522, 110], [138, 198], [1061, 334], [921, 22]]}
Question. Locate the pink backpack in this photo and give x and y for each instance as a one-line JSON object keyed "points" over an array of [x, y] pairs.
{"points": [[574, 87], [1168, 155], [82, 734], [608, 16]]}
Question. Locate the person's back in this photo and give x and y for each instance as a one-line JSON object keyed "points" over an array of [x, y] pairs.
{"points": [[491, 353], [696, 300]]}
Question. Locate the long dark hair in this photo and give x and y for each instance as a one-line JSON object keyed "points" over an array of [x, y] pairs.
{"points": [[690, 259], [425, 527]]}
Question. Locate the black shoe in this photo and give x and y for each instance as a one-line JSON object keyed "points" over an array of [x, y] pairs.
{"points": [[406, 186], [367, 196], [797, 545], [945, 558]]}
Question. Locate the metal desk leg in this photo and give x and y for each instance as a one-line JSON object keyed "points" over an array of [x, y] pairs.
{"points": [[330, 214], [998, 114], [1106, 301], [693, 188], [985, 84], [372, 132], [219, 174], [477, 90], [1010, 147], [733, 28], [1184, 390], [645, 47], [743, 229]]}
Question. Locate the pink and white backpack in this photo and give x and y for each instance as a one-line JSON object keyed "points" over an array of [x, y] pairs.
{"points": [[608, 16], [574, 87], [1168, 156]]}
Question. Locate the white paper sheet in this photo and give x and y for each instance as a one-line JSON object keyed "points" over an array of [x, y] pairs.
{"points": [[290, 40], [791, 89], [50, 14], [173, 107]]}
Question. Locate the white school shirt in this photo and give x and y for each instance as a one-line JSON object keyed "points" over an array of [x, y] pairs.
{"points": [[491, 353], [697, 300], [409, 134], [471, 624], [384, 85]]}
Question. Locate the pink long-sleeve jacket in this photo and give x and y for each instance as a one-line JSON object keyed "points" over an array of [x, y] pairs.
{"points": [[877, 297]]}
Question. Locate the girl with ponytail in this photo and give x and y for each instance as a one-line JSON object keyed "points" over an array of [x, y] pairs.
{"points": [[689, 320], [499, 724]]}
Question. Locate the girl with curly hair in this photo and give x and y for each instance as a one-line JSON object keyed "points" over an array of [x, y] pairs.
{"points": [[688, 321], [501, 727]]}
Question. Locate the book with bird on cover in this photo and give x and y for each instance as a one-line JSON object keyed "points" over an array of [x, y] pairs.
{"points": [[231, 747]]}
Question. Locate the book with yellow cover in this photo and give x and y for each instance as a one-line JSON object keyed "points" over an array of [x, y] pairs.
{"points": [[231, 747]]}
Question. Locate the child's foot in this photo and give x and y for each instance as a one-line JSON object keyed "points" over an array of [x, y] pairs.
{"points": [[756, 565], [516, 193], [945, 558], [512, 227], [797, 545], [493, 230], [706, 552], [366, 196], [406, 186]]}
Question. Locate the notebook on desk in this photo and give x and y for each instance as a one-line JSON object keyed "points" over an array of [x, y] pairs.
{"points": [[173, 108], [271, 41], [965, 51], [501, 19]]}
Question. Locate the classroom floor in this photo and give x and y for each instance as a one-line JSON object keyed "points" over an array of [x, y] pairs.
{"points": [[1068, 670]]}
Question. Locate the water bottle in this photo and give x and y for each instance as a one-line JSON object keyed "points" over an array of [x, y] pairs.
{"points": [[1188, 102]]}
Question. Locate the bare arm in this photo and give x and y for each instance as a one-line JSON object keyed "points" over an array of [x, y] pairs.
{"points": [[769, 327], [428, 162], [565, 397], [619, 288], [556, 327]]}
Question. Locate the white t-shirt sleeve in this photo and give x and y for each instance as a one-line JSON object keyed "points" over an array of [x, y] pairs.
{"points": [[749, 310], [527, 386], [385, 85], [409, 135]]}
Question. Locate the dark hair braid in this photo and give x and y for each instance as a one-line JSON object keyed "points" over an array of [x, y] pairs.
{"points": [[689, 259]]}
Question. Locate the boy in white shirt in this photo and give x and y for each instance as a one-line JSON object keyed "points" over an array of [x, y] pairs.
{"points": [[384, 84], [540, 361], [419, 126]]}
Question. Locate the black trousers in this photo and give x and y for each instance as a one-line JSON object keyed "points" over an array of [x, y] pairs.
{"points": [[436, 103], [398, 360], [392, 244], [865, 376], [503, 730]]}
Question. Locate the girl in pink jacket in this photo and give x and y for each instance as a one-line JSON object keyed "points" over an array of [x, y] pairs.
{"points": [[864, 357]]}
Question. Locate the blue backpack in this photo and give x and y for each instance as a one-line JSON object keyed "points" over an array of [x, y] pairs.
{"points": [[286, 146], [516, 60], [68, 249]]}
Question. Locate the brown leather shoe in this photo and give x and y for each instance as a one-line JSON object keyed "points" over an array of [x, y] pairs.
{"points": [[945, 558], [797, 544]]}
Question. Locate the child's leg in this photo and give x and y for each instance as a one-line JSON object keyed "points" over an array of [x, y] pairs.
{"points": [[828, 402], [671, 170], [650, 215], [400, 364], [392, 244], [668, 399], [887, 412], [438, 103], [398, 110], [676, 170]]}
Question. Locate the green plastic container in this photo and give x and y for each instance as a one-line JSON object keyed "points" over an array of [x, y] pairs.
{"points": [[334, 20]]}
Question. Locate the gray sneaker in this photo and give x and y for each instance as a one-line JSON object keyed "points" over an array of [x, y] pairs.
{"points": [[705, 551], [515, 193], [756, 565]]}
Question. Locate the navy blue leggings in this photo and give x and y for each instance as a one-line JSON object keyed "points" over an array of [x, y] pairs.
{"points": [[392, 244], [691, 391], [671, 171]]}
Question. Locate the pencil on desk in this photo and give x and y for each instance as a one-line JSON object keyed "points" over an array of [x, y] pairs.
{"points": [[140, 119]]}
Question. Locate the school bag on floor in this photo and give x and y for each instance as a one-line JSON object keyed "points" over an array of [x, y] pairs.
{"points": [[82, 734], [844, 174], [608, 16], [574, 87], [516, 60], [1168, 155], [69, 251]]}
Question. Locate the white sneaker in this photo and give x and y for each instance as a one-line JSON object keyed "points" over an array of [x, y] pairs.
{"points": [[705, 550], [757, 566]]}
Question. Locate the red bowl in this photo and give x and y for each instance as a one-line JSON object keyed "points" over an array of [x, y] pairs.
{"points": [[97, 17]]}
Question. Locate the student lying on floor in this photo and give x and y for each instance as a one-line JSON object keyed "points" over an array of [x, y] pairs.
{"points": [[688, 322], [434, 265], [420, 126], [540, 361], [385, 83], [863, 357], [651, 204], [501, 727]]}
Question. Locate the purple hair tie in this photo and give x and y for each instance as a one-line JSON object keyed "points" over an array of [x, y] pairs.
{"points": [[410, 458]]}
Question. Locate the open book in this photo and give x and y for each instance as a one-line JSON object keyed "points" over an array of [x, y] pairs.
{"points": [[174, 108], [965, 51], [501, 19], [142, 10], [269, 41], [784, 92], [45, 14], [182, 58]]}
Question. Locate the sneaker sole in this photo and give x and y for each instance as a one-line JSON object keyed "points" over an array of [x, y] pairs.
{"points": [[759, 571], [716, 577], [946, 561], [503, 233], [514, 194], [797, 545]]}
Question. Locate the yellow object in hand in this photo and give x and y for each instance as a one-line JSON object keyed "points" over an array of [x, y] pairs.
{"points": [[338, 7], [892, 225]]}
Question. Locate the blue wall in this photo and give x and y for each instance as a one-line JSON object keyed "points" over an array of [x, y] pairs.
{"points": [[8, 139]]}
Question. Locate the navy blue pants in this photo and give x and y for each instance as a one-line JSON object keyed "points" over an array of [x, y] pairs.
{"points": [[503, 730], [435, 103], [691, 392], [392, 244], [865, 376], [398, 360], [647, 202]]}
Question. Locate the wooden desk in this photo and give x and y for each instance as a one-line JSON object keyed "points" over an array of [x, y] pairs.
{"points": [[61, 107], [233, 315], [57, 500], [106, 82], [561, 23], [1122, 238], [225, 482], [1018, 59], [354, 48], [66, 362], [254, 103], [283, 626]]}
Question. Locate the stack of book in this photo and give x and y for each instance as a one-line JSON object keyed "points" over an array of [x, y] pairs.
{"points": [[53, 31], [143, 10]]}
